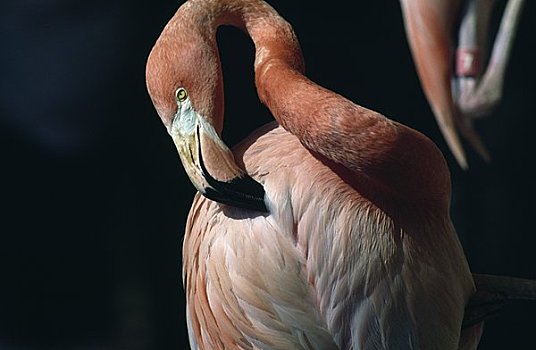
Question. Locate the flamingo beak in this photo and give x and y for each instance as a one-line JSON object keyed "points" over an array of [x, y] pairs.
{"points": [[211, 166]]}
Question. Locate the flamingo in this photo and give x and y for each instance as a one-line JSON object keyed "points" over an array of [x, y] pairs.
{"points": [[459, 86], [327, 229]]}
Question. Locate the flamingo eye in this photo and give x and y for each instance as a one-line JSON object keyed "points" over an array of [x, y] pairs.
{"points": [[181, 95]]}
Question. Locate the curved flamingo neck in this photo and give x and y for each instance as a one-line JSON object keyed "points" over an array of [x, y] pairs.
{"points": [[273, 37], [388, 156], [324, 121]]}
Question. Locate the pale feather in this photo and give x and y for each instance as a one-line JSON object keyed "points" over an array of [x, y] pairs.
{"points": [[326, 267]]}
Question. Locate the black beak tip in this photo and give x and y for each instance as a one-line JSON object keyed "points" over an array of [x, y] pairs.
{"points": [[241, 192]]}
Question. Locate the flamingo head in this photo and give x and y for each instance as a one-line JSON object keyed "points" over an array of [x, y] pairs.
{"points": [[184, 81]]}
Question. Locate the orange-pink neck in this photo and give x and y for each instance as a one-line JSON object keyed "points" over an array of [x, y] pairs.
{"points": [[390, 157]]}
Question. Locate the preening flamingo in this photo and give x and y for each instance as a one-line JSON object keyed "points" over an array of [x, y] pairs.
{"points": [[464, 83], [329, 229]]}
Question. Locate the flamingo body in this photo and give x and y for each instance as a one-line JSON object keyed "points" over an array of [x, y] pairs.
{"points": [[330, 231], [327, 269]]}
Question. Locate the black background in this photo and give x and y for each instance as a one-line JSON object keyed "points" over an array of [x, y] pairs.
{"points": [[94, 198]]}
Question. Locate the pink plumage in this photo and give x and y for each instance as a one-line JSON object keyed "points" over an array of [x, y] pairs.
{"points": [[356, 249]]}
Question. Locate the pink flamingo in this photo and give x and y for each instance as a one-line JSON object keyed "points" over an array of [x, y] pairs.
{"points": [[347, 244], [462, 85]]}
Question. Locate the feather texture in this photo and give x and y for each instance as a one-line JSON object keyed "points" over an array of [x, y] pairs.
{"points": [[327, 269]]}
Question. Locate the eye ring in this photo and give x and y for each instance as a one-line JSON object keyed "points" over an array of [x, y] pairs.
{"points": [[181, 95]]}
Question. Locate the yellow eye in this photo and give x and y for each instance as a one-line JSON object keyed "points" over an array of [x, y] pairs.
{"points": [[181, 95]]}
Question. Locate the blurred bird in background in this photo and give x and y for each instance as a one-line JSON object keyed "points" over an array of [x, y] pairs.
{"points": [[461, 78]]}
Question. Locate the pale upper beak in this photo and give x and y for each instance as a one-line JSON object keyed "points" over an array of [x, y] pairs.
{"points": [[210, 164]]}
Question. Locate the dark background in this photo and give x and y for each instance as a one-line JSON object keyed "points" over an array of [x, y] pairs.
{"points": [[94, 199]]}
